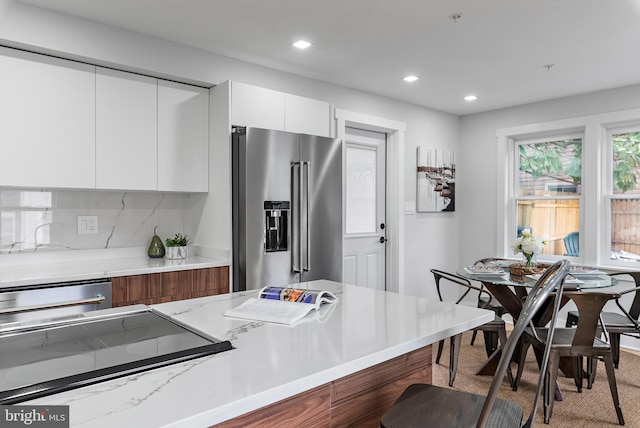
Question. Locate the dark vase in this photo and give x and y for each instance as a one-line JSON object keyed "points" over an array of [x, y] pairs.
{"points": [[156, 248]]}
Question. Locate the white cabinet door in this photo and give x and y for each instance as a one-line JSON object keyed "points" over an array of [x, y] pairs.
{"points": [[126, 130], [47, 122], [183, 137], [257, 107], [307, 116]]}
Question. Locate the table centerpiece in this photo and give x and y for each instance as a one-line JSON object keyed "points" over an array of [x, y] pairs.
{"points": [[530, 246]]}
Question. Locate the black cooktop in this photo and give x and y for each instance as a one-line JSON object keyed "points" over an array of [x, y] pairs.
{"points": [[43, 361]]}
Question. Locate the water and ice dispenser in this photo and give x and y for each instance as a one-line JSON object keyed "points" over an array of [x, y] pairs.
{"points": [[276, 226]]}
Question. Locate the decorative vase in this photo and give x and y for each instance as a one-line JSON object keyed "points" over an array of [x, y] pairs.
{"points": [[156, 248], [529, 260], [177, 253]]}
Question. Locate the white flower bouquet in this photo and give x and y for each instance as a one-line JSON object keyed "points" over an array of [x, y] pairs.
{"points": [[529, 245]]}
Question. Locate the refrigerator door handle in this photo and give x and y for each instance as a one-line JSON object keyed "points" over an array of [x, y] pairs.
{"points": [[306, 264], [296, 211]]}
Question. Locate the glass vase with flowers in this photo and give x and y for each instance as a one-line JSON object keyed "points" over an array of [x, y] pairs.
{"points": [[530, 246]]}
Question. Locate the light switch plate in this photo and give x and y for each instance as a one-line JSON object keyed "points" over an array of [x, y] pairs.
{"points": [[409, 208], [87, 224]]}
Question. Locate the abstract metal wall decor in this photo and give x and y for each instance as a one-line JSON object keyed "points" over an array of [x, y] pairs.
{"points": [[436, 180]]}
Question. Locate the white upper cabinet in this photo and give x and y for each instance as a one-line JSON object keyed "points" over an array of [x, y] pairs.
{"points": [[257, 107], [266, 108], [126, 130], [307, 116], [47, 122], [183, 137]]}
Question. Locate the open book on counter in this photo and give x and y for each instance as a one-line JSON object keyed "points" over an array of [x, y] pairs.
{"points": [[281, 304]]}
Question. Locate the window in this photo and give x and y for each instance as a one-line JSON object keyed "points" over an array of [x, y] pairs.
{"points": [[577, 181], [547, 189], [360, 187], [623, 192]]}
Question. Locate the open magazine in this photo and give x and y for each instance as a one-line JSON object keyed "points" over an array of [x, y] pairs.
{"points": [[281, 305]]}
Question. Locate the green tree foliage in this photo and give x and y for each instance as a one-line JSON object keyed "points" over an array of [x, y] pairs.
{"points": [[626, 161], [544, 159]]}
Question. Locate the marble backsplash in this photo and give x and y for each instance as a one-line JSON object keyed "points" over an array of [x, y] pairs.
{"points": [[47, 220]]}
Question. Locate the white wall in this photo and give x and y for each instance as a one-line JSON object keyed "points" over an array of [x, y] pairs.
{"points": [[431, 239]]}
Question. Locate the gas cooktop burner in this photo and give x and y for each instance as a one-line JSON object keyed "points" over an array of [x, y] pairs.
{"points": [[95, 347]]}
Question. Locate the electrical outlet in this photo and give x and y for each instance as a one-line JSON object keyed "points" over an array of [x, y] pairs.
{"points": [[87, 224]]}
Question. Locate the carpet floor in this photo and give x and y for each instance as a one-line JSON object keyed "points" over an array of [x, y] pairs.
{"points": [[591, 408]]}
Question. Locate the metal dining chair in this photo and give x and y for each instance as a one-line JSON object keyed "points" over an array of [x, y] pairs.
{"points": [[462, 288], [488, 303], [618, 324], [577, 343], [423, 405]]}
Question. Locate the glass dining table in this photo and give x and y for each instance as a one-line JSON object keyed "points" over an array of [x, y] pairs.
{"points": [[511, 291]]}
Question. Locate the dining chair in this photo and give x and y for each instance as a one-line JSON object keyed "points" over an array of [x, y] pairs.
{"points": [[617, 324], [460, 288], [577, 343], [488, 303], [429, 405], [572, 244]]}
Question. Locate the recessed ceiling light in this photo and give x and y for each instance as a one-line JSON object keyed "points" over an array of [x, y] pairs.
{"points": [[470, 98], [301, 44], [410, 78]]}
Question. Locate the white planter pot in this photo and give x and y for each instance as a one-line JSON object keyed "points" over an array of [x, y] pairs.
{"points": [[176, 253]]}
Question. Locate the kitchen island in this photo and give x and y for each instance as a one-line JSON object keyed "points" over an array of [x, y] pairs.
{"points": [[271, 363]]}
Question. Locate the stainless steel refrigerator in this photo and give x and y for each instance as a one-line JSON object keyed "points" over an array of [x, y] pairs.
{"points": [[287, 208]]}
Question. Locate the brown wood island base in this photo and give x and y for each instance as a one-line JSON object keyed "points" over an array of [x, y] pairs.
{"points": [[359, 399], [154, 288]]}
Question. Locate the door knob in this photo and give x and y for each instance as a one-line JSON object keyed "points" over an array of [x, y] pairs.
{"points": [[383, 240]]}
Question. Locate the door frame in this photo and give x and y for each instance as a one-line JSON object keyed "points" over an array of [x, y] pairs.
{"points": [[395, 130]]}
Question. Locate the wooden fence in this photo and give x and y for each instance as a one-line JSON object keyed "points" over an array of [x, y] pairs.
{"points": [[557, 218], [625, 225]]}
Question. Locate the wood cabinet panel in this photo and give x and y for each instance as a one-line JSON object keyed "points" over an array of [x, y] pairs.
{"points": [[309, 410], [365, 409], [211, 280], [138, 287], [166, 287], [178, 282], [358, 400], [362, 381]]}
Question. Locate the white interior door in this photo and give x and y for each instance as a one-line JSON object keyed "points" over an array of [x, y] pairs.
{"points": [[365, 201]]}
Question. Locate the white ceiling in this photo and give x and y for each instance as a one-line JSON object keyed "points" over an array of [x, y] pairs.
{"points": [[497, 50]]}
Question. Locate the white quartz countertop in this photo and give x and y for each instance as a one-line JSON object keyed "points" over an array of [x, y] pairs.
{"points": [[77, 266], [269, 362]]}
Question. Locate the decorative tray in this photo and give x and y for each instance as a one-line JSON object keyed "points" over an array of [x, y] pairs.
{"points": [[483, 269], [518, 269], [584, 270]]}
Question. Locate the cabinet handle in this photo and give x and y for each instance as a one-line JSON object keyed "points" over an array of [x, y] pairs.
{"points": [[90, 301]]}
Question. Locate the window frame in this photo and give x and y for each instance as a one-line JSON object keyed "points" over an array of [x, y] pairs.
{"points": [[607, 190], [595, 216], [515, 197]]}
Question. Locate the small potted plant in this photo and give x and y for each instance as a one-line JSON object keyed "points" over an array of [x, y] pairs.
{"points": [[177, 247]]}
